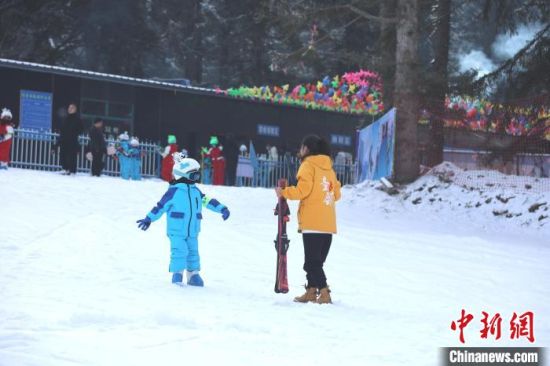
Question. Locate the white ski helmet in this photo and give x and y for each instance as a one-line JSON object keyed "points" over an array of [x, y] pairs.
{"points": [[124, 136], [134, 141], [186, 168], [6, 114]]}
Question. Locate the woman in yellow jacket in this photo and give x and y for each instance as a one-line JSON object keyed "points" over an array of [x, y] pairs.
{"points": [[318, 189]]}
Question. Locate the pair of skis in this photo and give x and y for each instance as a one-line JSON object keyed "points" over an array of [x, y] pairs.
{"points": [[281, 241]]}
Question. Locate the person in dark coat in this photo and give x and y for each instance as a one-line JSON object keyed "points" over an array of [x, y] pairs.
{"points": [[68, 140], [97, 147]]}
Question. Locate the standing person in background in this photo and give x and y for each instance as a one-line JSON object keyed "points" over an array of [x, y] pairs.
{"points": [[218, 162], [123, 155], [272, 161], [272, 152], [340, 165], [348, 171], [168, 159], [68, 140], [6, 135], [318, 190], [97, 147], [135, 159], [206, 166]]}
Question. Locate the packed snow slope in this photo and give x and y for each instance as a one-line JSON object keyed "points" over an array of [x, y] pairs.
{"points": [[81, 285]]}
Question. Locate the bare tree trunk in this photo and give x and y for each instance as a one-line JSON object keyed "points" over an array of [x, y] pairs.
{"points": [[440, 40], [387, 50], [193, 60], [406, 164]]}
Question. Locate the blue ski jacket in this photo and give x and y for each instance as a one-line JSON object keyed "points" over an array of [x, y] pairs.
{"points": [[183, 204]]}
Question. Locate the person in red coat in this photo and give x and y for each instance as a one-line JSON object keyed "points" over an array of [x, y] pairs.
{"points": [[6, 137], [167, 158], [218, 162]]}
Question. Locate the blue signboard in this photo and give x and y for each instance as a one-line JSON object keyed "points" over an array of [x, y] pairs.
{"points": [[268, 130], [35, 110]]}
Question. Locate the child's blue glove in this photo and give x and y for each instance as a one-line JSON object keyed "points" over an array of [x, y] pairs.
{"points": [[143, 224], [225, 214]]}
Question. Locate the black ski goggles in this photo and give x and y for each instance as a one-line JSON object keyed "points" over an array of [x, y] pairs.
{"points": [[194, 176]]}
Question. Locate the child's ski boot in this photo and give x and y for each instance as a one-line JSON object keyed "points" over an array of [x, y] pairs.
{"points": [[177, 277], [194, 279]]}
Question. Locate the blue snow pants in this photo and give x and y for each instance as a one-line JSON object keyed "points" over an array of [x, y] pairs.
{"points": [[206, 175], [125, 166], [135, 169], [184, 253]]}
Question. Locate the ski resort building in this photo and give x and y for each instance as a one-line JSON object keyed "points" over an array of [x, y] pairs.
{"points": [[151, 109]]}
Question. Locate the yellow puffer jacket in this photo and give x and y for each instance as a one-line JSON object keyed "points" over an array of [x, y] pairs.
{"points": [[318, 190]]}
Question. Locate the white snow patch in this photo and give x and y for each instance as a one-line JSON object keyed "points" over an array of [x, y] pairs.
{"points": [[80, 284], [476, 200]]}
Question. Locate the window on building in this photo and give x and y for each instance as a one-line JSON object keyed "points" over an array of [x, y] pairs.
{"points": [[93, 107], [120, 110], [268, 130], [341, 140], [113, 103]]}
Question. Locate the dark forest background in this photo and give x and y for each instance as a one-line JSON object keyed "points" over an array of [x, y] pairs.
{"points": [[253, 42]]}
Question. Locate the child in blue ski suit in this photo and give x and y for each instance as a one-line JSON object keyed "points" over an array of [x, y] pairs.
{"points": [[123, 155], [134, 154], [183, 204]]}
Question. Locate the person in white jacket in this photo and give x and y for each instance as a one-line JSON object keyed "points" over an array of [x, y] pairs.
{"points": [[272, 161], [6, 134]]}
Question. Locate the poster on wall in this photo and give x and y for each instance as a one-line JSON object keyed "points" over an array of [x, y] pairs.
{"points": [[376, 148], [35, 110]]}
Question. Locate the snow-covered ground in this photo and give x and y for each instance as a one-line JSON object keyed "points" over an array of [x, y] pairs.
{"points": [[81, 285]]}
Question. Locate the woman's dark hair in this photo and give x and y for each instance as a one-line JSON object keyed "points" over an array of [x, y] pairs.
{"points": [[316, 145]]}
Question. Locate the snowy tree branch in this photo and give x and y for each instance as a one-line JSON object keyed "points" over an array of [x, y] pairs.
{"points": [[510, 63]]}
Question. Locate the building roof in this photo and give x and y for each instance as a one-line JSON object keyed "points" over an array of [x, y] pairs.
{"points": [[86, 74], [32, 66]]}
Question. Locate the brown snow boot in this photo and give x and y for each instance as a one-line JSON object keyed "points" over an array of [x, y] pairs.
{"points": [[309, 296], [324, 296]]}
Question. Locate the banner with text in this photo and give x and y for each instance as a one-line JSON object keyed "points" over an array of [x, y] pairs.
{"points": [[36, 110]]}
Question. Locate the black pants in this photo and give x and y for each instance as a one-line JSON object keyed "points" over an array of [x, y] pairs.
{"points": [[316, 248], [68, 158], [97, 163]]}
